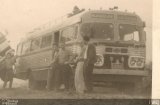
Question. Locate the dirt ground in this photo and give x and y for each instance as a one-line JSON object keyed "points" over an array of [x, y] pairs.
{"points": [[20, 90]]}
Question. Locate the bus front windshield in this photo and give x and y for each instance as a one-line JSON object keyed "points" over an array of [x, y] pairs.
{"points": [[129, 33], [98, 30]]}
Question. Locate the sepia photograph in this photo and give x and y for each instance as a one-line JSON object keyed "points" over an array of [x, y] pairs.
{"points": [[76, 49]]}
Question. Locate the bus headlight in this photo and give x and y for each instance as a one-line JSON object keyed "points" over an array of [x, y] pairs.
{"points": [[100, 60], [132, 62], [136, 62]]}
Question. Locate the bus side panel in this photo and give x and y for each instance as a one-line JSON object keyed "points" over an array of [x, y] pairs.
{"points": [[39, 60], [40, 75], [34, 62]]}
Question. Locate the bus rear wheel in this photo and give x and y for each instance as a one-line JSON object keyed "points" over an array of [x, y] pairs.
{"points": [[138, 87], [35, 84], [126, 88], [32, 82]]}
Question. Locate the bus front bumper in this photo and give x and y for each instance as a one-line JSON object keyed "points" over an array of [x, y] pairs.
{"points": [[121, 72]]}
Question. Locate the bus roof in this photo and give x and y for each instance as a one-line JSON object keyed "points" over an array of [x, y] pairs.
{"points": [[66, 21]]}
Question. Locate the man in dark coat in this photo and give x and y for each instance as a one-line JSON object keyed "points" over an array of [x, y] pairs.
{"points": [[90, 59], [9, 62], [2, 68]]}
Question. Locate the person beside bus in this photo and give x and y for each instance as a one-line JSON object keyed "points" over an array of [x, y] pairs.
{"points": [[10, 60], [52, 72], [64, 71], [2, 68], [79, 75], [89, 60]]}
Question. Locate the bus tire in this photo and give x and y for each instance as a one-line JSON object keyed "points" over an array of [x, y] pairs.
{"points": [[126, 88], [138, 87], [41, 85], [32, 83]]}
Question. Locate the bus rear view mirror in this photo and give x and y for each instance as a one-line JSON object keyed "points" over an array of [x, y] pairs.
{"points": [[144, 36], [144, 24]]}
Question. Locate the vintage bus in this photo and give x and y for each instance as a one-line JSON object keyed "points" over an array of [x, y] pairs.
{"points": [[118, 36]]}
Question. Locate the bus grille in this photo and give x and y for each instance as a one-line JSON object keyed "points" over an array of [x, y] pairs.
{"points": [[116, 62], [137, 51]]}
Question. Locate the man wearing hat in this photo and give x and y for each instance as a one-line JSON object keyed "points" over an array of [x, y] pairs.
{"points": [[9, 62], [64, 72], [90, 59]]}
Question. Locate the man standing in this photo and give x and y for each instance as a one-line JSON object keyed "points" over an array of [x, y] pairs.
{"points": [[9, 63], [52, 72], [90, 59], [64, 70]]}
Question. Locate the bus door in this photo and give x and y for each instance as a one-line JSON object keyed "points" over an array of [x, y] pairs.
{"points": [[56, 37], [55, 40]]}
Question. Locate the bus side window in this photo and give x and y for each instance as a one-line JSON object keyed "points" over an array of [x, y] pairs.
{"points": [[26, 47], [76, 32], [35, 45], [56, 37], [19, 49], [46, 41], [69, 34]]}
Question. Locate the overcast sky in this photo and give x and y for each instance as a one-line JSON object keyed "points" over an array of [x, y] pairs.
{"points": [[20, 16]]}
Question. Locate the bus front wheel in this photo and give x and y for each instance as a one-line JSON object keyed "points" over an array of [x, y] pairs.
{"points": [[35, 84], [32, 84], [138, 87]]}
